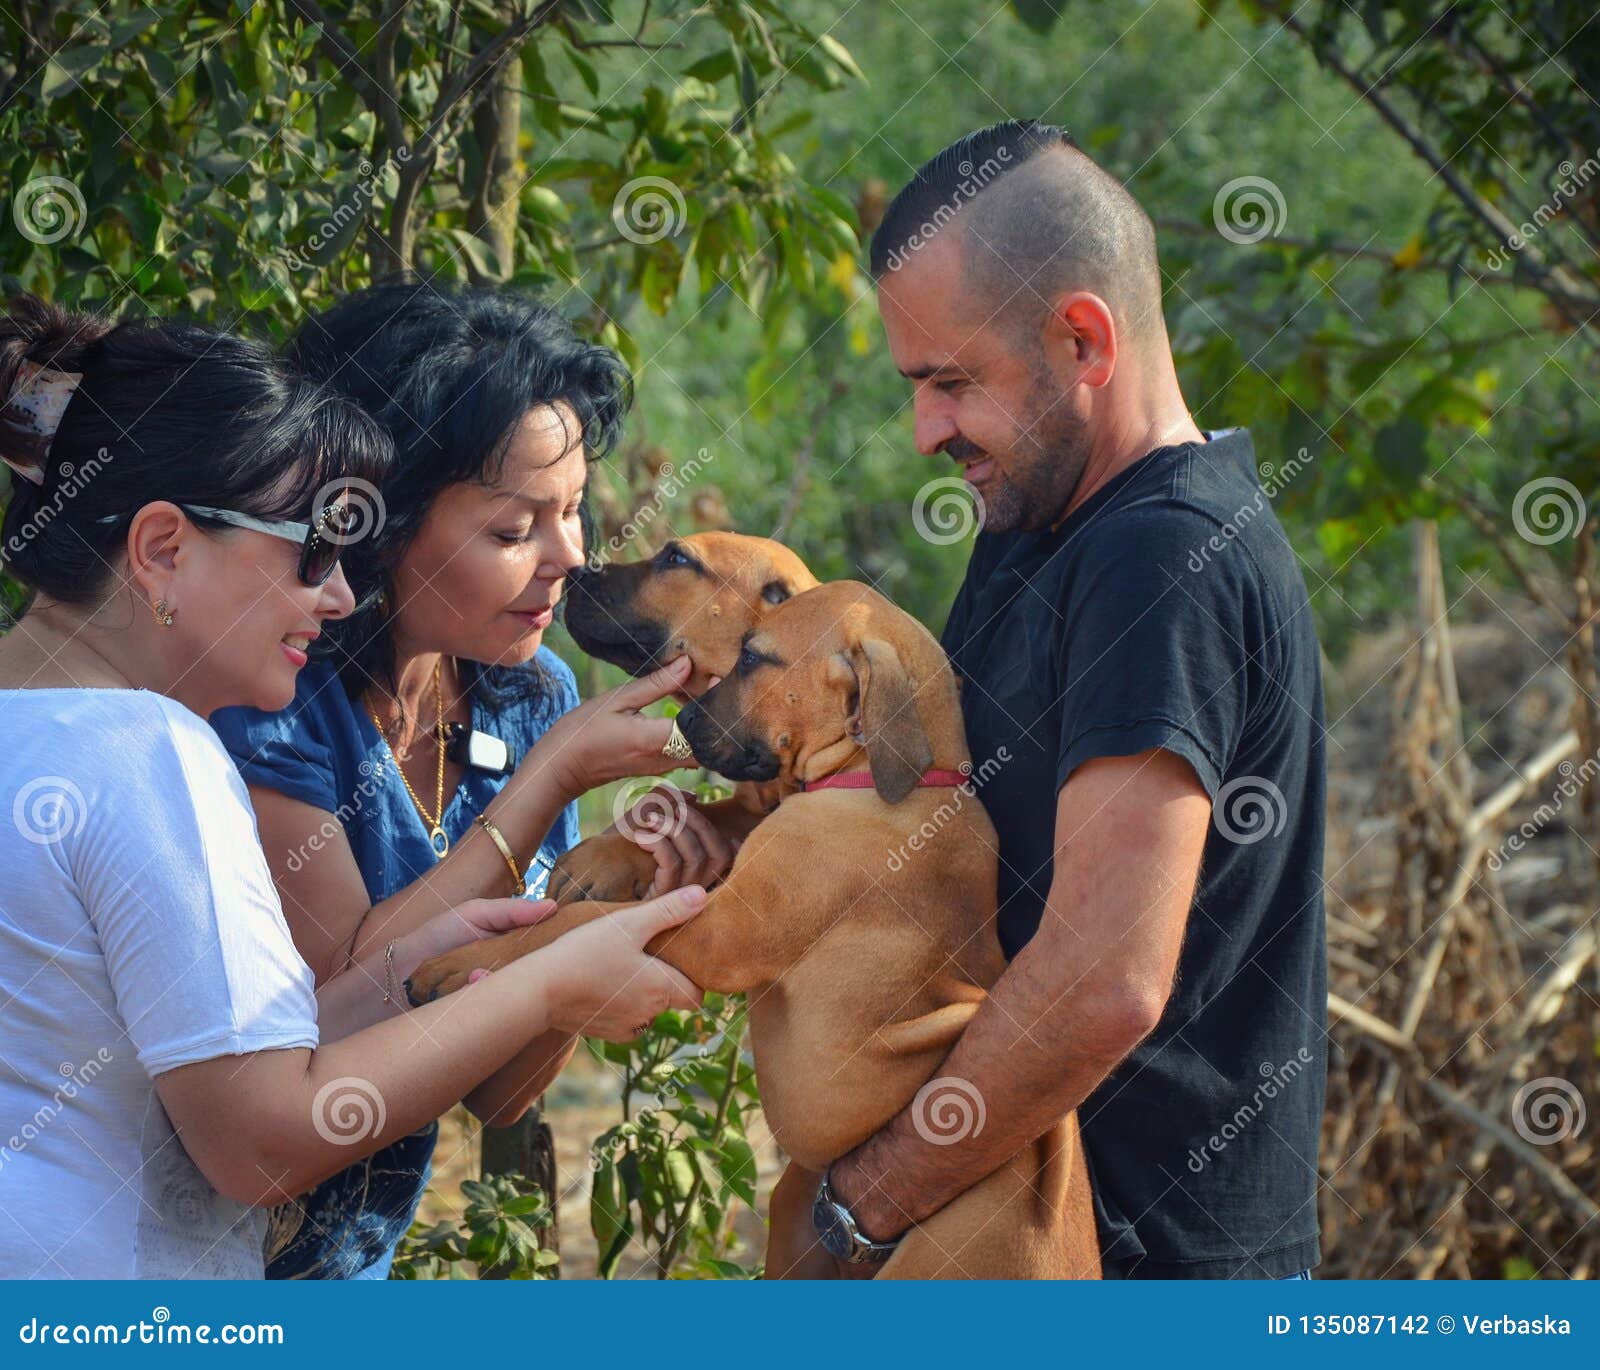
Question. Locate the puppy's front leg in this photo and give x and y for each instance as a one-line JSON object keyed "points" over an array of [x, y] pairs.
{"points": [[793, 1250], [448, 973]]}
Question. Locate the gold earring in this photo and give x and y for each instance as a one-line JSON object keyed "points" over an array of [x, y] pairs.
{"points": [[162, 613]]}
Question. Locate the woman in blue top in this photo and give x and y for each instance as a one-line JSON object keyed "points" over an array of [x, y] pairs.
{"points": [[370, 823]]}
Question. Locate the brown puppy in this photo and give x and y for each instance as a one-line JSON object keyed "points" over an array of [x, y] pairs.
{"points": [[864, 943], [698, 596]]}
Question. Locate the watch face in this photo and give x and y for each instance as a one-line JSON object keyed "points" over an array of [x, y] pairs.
{"points": [[831, 1229]]}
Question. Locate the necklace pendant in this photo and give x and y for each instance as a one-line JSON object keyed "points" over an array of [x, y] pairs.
{"points": [[440, 841]]}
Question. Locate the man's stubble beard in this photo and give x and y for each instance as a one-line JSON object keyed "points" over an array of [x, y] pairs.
{"points": [[1039, 475]]}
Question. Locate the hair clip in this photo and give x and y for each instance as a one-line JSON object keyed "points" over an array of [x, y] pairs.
{"points": [[30, 417]]}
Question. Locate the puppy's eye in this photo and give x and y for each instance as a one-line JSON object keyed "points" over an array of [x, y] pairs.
{"points": [[747, 662], [775, 592], [674, 556]]}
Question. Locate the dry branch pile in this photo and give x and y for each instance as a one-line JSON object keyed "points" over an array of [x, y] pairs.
{"points": [[1462, 1134]]}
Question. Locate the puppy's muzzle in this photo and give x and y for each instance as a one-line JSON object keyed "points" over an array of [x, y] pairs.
{"points": [[734, 752]]}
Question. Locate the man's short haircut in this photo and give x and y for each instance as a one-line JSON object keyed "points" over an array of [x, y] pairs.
{"points": [[1035, 216]]}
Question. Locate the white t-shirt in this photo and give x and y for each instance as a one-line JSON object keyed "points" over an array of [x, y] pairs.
{"points": [[139, 931]]}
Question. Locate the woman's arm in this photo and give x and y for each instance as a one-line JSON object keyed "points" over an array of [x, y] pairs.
{"points": [[268, 1126], [373, 990], [333, 922]]}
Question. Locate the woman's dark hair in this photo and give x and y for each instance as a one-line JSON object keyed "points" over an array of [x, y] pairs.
{"points": [[164, 411], [451, 373]]}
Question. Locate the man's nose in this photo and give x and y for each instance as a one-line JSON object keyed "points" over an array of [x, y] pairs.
{"points": [[933, 426]]}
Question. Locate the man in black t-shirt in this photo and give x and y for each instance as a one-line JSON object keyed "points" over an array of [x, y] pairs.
{"points": [[1143, 701]]}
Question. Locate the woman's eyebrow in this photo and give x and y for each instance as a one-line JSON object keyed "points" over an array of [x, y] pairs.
{"points": [[534, 501]]}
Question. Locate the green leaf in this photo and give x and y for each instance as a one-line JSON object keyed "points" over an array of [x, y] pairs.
{"points": [[717, 67], [840, 54], [608, 1206], [737, 1161], [68, 66]]}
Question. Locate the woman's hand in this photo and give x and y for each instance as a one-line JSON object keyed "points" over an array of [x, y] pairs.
{"points": [[607, 739], [687, 846], [468, 922], [602, 983]]}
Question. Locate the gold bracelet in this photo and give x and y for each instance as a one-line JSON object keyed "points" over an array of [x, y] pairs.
{"points": [[520, 885]]}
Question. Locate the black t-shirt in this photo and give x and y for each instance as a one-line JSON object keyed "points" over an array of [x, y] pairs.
{"points": [[1169, 611]]}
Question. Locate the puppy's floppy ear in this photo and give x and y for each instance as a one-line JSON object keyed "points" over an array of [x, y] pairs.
{"points": [[886, 716]]}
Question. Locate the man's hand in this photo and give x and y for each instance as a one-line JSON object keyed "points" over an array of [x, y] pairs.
{"points": [[1090, 985], [687, 847]]}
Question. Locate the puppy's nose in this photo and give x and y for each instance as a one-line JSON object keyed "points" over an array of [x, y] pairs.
{"points": [[580, 579]]}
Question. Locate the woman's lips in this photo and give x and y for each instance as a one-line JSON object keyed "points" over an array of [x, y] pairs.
{"points": [[295, 646], [542, 619]]}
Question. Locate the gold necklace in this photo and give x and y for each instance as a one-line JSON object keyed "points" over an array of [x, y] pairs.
{"points": [[438, 839]]}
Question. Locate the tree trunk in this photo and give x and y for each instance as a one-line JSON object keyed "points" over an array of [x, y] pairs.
{"points": [[492, 215]]}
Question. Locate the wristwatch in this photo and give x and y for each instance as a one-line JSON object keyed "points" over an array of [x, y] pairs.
{"points": [[839, 1232]]}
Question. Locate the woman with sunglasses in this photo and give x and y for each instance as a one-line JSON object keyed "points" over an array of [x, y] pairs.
{"points": [[371, 820], [171, 1069]]}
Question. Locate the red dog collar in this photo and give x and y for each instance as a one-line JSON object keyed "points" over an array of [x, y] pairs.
{"points": [[862, 780]]}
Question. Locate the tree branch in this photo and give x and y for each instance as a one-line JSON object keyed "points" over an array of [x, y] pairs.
{"points": [[1557, 284]]}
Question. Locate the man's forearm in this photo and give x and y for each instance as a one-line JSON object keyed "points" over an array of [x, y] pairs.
{"points": [[1030, 1055]]}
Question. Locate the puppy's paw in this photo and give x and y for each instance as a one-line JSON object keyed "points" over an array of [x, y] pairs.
{"points": [[446, 974], [608, 868]]}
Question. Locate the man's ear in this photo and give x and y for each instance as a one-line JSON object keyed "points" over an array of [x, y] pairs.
{"points": [[886, 717]]}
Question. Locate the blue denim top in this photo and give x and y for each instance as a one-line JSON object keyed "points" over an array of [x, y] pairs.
{"points": [[323, 750]]}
